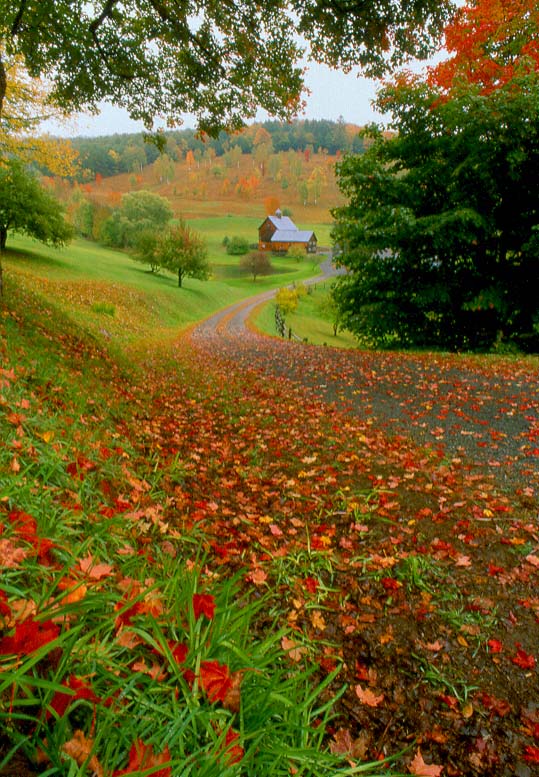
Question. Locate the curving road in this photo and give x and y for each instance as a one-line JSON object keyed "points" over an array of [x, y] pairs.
{"points": [[233, 318], [487, 413]]}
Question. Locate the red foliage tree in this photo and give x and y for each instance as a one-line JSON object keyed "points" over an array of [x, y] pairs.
{"points": [[490, 42]]}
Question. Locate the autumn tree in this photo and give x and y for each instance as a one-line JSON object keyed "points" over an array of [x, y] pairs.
{"points": [[181, 250], [257, 263], [26, 207], [221, 64], [271, 204], [489, 42], [25, 106], [146, 249], [138, 211]]}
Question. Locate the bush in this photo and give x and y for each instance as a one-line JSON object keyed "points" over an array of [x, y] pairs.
{"points": [[237, 246]]}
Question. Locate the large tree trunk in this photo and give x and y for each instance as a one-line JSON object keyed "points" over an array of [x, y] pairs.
{"points": [[3, 238], [180, 277], [3, 85]]}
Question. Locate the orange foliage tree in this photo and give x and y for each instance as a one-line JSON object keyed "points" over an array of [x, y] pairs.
{"points": [[490, 41], [271, 204]]}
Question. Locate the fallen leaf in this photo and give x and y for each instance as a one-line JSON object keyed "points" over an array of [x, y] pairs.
{"points": [[421, 769], [79, 748], [368, 697]]}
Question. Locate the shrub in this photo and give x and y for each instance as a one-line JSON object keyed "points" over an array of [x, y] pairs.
{"points": [[237, 246]]}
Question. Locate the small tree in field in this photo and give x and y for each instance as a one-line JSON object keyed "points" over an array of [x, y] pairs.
{"points": [[183, 251], [257, 263], [146, 249], [296, 252], [287, 300]]}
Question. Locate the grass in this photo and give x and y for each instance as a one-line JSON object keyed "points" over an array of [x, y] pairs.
{"points": [[309, 322]]}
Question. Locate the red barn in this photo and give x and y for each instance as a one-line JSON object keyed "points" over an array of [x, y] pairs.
{"points": [[279, 233]]}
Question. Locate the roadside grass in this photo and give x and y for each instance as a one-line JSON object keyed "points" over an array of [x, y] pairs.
{"points": [[309, 322], [121, 650]]}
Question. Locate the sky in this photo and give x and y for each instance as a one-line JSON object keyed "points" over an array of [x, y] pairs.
{"points": [[333, 94]]}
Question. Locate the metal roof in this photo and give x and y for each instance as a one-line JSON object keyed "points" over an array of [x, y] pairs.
{"points": [[291, 236], [282, 222]]}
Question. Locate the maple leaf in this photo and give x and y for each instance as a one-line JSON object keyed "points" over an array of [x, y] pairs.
{"points": [[93, 570], [232, 700], [531, 754], [295, 651], [368, 697], [342, 742], [421, 769], [29, 636], [11, 555], [215, 680], [142, 757], [234, 752], [79, 748], [311, 584], [523, 659], [79, 690], [203, 604]]}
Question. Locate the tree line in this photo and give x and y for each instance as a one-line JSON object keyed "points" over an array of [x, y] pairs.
{"points": [[109, 155]]}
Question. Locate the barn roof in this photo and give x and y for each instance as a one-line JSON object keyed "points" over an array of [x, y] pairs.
{"points": [[282, 222], [291, 236]]}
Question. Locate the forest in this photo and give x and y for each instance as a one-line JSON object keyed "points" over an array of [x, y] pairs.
{"points": [[127, 153]]}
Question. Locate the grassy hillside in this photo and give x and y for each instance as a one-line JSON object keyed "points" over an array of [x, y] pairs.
{"points": [[120, 301], [209, 189]]}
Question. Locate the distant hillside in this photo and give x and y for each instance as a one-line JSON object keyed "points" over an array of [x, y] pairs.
{"points": [[247, 184]]}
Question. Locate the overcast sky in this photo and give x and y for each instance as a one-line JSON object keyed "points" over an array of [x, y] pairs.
{"points": [[333, 94]]}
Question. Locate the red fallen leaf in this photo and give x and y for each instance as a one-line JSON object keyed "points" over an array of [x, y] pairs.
{"points": [[421, 769], [523, 659], [178, 649], [5, 609], [311, 584], [390, 584], [79, 467], [29, 636], [234, 752], [126, 614], [495, 646], [499, 707], [61, 700], [531, 754], [142, 757], [451, 701], [26, 527], [215, 680], [203, 604]]}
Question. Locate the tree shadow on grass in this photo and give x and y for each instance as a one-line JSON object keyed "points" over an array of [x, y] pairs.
{"points": [[25, 257]]}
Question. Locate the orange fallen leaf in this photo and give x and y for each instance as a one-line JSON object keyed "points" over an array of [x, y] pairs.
{"points": [[92, 570], [79, 748], [294, 650], [368, 697], [421, 769]]}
